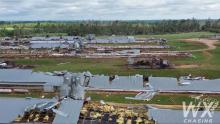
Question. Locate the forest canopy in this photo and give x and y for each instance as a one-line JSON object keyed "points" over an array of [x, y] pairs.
{"points": [[82, 28]]}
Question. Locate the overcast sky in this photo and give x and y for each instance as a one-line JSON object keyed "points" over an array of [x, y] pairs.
{"points": [[108, 9]]}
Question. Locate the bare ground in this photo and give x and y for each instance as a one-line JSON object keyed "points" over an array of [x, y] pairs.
{"points": [[187, 66]]}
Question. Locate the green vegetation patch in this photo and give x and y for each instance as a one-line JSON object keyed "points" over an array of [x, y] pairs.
{"points": [[178, 35], [180, 45], [162, 99]]}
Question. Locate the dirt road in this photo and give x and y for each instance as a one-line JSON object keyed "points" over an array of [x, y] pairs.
{"points": [[207, 42]]}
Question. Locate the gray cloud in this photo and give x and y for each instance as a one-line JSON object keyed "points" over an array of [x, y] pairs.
{"points": [[107, 9]]}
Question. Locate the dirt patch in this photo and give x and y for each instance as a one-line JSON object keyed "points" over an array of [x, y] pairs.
{"points": [[187, 66]]}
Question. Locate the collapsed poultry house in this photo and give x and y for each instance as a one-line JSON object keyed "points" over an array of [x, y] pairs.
{"points": [[149, 63], [101, 113], [38, 113]]}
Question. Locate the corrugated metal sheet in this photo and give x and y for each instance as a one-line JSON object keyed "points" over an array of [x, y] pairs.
{"points": [[120, 82], [49, 45], [72, 109], [28, 76], [10, 108], [171, 84]]}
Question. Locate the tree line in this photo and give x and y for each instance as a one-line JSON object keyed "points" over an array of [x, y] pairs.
{"points": [[82, 28]]}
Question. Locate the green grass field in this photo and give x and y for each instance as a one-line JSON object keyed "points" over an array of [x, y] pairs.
{"points": [[178, 45], [208, 62], [208, 67], [175, 40], [117, 67], [178, 35], [162, 99]]}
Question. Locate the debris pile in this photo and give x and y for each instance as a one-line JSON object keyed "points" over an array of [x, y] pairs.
{"points": [[149, 63], [38, 113], [101, 113]]}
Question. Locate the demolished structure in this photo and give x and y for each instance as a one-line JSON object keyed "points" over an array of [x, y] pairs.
{"points": [[160, 41], [72, 87], [149, 63], [114, 39], [72, 42]]}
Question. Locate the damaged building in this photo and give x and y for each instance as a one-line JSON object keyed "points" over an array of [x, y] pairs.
{"points": [[74, 42], [160, 41], [114, 39], [215, 37], [149, 63], [13, 43]]}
